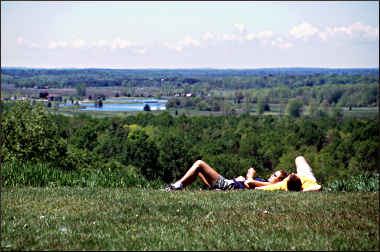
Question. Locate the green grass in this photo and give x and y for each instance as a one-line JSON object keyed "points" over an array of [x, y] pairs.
{"points": [[73, 218]]}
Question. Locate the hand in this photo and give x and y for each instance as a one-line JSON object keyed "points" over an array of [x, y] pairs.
{"points": [[248, 183]]}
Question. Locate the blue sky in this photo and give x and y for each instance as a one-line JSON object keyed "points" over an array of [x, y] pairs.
{"points": [[223, 34]]}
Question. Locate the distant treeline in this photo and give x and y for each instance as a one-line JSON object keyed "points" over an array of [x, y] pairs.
{"points": [[204, 78], [147, 147]]}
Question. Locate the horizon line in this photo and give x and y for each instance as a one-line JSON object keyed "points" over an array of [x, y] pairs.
{"points": [[189, 68]]}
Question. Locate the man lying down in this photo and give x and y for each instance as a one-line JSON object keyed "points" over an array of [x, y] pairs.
{"points": [[303, 180]]}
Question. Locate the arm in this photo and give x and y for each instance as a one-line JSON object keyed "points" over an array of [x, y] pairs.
{"points": [[263, 187], [272, 187], [251, 183], [250, 173]]}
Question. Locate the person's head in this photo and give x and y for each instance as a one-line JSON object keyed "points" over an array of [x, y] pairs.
{"points": [[278, 176], [294, 183]]}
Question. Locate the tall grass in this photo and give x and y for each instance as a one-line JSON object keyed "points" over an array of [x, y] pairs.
{"points": [[42, 174]]}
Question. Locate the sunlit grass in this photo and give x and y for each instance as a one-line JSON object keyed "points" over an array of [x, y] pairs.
{"points": [[69, 218]]}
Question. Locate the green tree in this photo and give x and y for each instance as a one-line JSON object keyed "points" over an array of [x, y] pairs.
{"points": [[294, 108], [142, 153], [176, 154], [81, 90], [336, 112], [146, 107], [262, 106], [31, 134]]}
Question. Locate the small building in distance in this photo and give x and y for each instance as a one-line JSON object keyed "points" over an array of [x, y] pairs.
{"points": [[54, 97]]}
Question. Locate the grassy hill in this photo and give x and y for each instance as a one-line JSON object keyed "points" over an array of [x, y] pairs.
{"points": [[74, 218]]}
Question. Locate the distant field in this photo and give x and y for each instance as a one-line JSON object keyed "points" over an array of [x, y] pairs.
{"points": [[361, 112], [66, 218], [275, 110]]}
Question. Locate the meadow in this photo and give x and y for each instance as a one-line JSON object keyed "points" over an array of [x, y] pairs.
{"points": [[96, 218]]}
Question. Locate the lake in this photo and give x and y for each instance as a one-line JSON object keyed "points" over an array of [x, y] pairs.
{"points": [[137, 105]]}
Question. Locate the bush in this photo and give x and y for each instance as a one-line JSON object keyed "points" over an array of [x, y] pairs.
{"points": [[362, 183], [31, 134]]}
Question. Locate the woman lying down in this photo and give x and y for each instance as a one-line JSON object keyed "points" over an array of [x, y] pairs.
{"points": [[303, 180]]}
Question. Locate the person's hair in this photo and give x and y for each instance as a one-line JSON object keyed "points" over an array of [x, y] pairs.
{"points": [[283, 175], [294, 183]]}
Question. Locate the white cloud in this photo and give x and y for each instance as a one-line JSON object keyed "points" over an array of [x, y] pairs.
{"points": [[353, 31], [189, 41], [23, 42], [228, 37], [175, 47], [260, 36], [57, 44], [304, 31], [264, 35], [356, 30], [209, 36], [179, 46], [64, 44], [78, 43], [281, 43], [242, 35], [121, 44], [220, 37], [100, 43]]}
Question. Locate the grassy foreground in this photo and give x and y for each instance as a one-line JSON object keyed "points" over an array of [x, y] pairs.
{"points": [[69, 218]]}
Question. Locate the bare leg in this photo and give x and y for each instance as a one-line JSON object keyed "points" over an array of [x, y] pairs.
{"points": [[202, 169], [303, 168], [204, 179]]}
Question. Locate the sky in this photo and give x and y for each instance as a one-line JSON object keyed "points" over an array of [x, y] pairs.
{"points": [[183, 34]]}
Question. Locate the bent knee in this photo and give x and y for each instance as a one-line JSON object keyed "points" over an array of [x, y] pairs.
{"points": [[300, 159], [199, 162]]}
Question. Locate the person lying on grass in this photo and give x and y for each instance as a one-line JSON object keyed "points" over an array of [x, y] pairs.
{"points": [[304, 180], [215, 181]]}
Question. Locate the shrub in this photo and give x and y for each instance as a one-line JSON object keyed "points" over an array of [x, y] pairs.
{"points": [[30, 134], [362, 183]]}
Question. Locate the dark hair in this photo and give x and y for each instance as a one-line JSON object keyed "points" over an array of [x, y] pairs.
{"points": [[283, 175], [294, 183]]}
